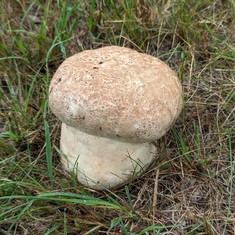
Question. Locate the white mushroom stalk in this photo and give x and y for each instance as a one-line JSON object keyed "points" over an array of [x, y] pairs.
{"points": [[103, 162], [113, 102]]}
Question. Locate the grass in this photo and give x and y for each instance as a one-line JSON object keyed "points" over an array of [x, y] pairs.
{"points": [[189, 189]]}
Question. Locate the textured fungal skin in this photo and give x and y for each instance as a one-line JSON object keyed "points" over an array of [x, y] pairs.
{"points": [[116, 92]]}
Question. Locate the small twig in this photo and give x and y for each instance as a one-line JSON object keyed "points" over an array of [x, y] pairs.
{"points": [[155, 194]]}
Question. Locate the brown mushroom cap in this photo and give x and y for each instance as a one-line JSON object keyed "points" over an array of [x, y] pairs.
{"points": [[116, 92]]}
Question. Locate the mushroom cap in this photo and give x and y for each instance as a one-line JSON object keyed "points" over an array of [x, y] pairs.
{"points": [[116, 92]]}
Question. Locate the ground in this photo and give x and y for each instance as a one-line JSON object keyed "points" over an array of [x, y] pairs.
{"points": [[190, 187]]}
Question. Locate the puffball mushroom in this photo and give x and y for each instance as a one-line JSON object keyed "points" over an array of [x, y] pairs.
{"points": [[113, 102]]}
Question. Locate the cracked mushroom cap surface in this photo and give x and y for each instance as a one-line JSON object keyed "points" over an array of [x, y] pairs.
{"points": [[116, 92]]}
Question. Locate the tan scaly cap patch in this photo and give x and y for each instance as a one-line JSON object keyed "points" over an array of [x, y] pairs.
{"points": [[116, 92]]}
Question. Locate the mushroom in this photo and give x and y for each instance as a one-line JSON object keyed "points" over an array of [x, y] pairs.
{"points": [[113, 102]]}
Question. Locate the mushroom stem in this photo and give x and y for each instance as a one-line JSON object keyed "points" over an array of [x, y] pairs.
{"points": [[103, 162]]}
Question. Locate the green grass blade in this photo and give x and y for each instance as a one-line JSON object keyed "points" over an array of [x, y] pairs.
{"points": [[48, 145]]}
